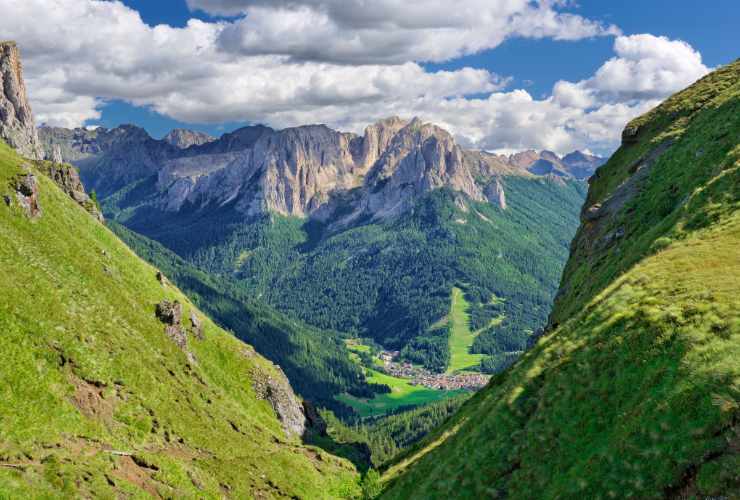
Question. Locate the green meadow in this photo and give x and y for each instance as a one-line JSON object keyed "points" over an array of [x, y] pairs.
{"points": [[461, 337], [402, 394]]}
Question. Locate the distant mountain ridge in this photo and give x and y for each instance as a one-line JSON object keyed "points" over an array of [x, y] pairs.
{"points": [[183, 139], [310, 170]]}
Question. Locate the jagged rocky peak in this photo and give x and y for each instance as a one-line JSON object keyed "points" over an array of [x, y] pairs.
{"points": [[524, 159], [182, 138], [17, 127], [377, 138], [421, 157]]}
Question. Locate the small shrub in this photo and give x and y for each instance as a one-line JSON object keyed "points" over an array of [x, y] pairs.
{"points": [[660, 244]]}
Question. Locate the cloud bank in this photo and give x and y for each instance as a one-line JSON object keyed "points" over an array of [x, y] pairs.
{"points": [[345, 63]]}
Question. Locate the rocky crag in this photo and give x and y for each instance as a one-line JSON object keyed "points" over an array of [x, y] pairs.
{"points": [[183, 139], [17, 127]]}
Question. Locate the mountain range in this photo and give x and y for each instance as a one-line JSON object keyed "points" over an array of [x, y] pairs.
{"points": [[365, 235], [304, 171]]}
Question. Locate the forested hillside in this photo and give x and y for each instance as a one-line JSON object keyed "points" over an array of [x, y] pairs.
{"points": [[391, 280], [362, 234], [635, 390]]}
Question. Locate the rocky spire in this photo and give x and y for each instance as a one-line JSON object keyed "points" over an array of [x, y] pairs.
{"points": [[16, 120], [496, 194]]}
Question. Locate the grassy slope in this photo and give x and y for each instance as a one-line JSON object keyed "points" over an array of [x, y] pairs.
{"points": [[77, 319], [637, 391], [314, 360], [461, 336]]}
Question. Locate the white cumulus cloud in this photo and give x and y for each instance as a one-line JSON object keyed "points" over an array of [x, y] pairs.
{"points": [[390, 31], [79, 53]]}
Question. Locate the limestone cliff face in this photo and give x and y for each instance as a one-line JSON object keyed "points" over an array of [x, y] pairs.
{"points": [[17, 127], [376, 140], [308, 171], [420, 157], [298, 171]]}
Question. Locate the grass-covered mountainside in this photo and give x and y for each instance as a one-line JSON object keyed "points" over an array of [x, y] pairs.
{"points": [[97, 400], [316, 361], [635, 392], [389, 280]]}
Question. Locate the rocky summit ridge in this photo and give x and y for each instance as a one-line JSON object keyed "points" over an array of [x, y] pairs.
{"points": [[307, 171]]}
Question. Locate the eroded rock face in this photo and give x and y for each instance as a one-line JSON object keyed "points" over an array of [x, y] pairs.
{"points": [[197, 325], [496, 194], [170, 313], [17, 127], [421, 157]]}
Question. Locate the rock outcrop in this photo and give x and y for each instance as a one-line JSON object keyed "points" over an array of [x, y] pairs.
{"points": [[496, 195], [67, 178], [17, 127], [170, 313], [197, 326], [27, 194], [275, 388]]}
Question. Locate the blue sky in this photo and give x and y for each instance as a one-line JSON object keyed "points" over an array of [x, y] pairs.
{"points": [[537, 76]]}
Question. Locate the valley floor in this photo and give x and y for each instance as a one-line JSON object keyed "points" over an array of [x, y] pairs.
{"points": [[410, 385]]}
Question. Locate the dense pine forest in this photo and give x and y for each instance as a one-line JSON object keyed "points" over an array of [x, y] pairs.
{"points": [[390, 280]]}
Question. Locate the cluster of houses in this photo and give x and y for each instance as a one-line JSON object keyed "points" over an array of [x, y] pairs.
{"points": [[420, 376]]}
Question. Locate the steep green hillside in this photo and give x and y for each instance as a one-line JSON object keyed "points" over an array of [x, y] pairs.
{"points": [[315, 361], [636, 390], [96, 400], [389, 280]]}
